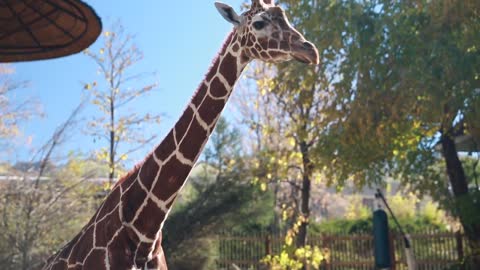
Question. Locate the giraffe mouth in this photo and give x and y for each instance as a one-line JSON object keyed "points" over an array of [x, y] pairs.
{"points": [[307, 54], [301, 59]]}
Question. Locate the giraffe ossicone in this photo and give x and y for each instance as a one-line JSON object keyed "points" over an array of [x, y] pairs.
{"points": [[125, 232]]}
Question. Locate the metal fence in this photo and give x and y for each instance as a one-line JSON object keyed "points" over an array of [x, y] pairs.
{"points": [[433, 250]]}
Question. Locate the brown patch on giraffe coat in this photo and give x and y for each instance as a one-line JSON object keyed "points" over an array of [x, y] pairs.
{"points": [[217, 88], [84, 246], [129, 179], [183, 123], [255, 53], [264, 55], [166, 147], [107, 228], [199, 95], [263, 42], [272, 44], [149, 220], [110, 203], [243, 41], [142, 252], [131, 201], [128, 239], [251, 41], [190, 147], [244, 58], [148, 172], [213, 70], [211, 109], [120, 251], [96, 261], [235, 47], [284, 45], [229, 69], [172, 177]]}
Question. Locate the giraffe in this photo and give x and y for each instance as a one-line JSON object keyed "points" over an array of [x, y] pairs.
{"points": [[125, 232]]}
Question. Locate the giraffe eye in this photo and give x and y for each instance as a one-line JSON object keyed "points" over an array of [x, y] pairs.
{"points": [[259, 25]]}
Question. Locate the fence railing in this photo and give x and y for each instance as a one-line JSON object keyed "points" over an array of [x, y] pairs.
{"points": [[433, 250]]}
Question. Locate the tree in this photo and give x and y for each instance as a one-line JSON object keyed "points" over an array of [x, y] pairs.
{"points": [[406, 83], [12, 110], [285, 122], [399, 78], [41, 206], [118, 127], [291, 121]]}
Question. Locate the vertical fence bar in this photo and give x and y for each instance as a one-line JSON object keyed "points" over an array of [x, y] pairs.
{"points": [[459, 240], [268, 245], [392, 250]]}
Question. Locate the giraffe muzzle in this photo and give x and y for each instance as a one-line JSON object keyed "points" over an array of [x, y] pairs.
{"points": [[306, 53]]}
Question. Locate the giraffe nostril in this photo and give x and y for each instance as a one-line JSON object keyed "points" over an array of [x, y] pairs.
{"points": [[308, 45]]}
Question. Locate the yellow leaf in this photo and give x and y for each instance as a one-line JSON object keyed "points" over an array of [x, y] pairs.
{"points": [[291, 141], [288, 240], [107, 186], [263, 187]]}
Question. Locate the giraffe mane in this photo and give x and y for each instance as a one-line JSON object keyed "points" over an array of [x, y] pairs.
{"points": [[133, 171], [227, 41]]}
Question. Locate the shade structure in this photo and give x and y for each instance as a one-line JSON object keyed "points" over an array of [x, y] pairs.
{"points": [[44, 29]]}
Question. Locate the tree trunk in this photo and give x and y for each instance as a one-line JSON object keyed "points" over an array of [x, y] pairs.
{"points": [[111, 164], [305, 200], [464, 202]]}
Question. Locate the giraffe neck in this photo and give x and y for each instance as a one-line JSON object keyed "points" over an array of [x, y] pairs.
{"points": [[150, 190]]}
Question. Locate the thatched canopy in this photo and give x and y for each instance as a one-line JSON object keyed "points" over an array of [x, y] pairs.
{"points": [[44, 29]]}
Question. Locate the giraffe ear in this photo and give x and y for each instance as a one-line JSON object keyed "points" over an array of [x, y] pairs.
{"points": [[228, 13], [268, 3], [264, 3]]}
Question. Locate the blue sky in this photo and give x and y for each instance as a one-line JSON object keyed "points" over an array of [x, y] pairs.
{"points": [[179, 40]]}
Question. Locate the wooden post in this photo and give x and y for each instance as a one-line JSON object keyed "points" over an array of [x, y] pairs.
{"points": [[324, 265], [268, 245], [327, 243], [458, 237], [392, 250]]}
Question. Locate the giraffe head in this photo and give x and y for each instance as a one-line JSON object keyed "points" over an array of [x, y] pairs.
{"points": [[265, 33]]}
